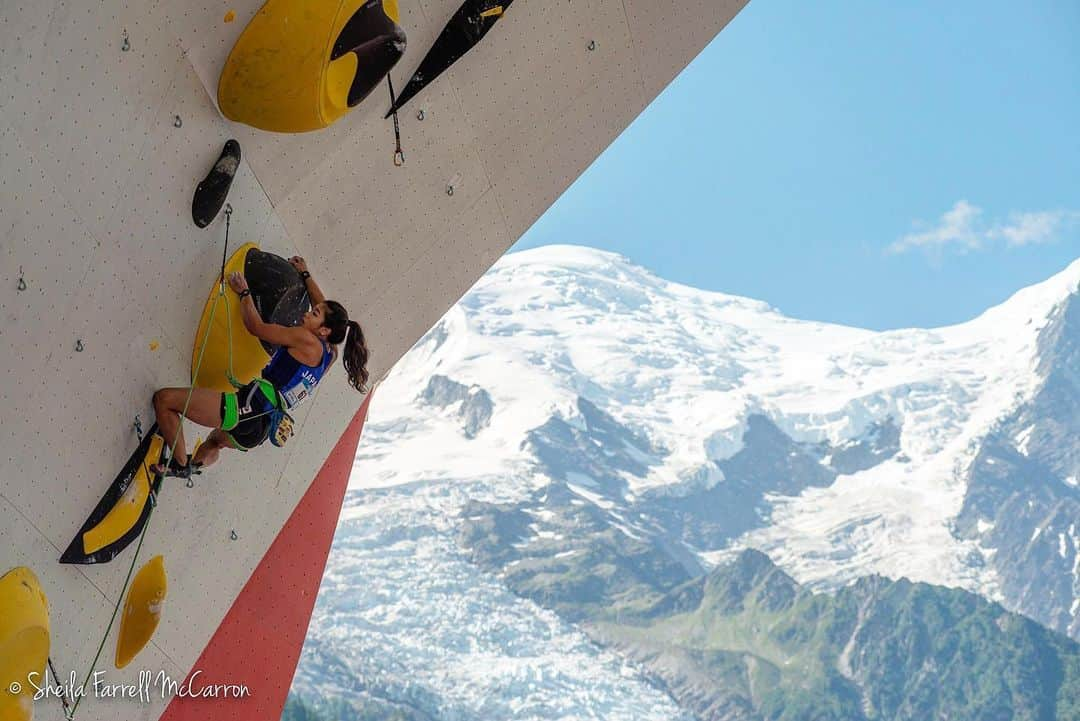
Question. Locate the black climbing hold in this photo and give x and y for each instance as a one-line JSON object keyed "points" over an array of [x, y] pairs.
{"points": [[210, 193], [119, 517], [466, 28], [378, 42]]}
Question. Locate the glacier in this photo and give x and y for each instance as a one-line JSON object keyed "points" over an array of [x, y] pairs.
{"points": [[405, 616]]}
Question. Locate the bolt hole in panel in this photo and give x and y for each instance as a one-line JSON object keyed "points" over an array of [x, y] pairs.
{"points": [[382, 223], [84, 106], [663, 55], [43, 235], [533, 66], [558, 151]]}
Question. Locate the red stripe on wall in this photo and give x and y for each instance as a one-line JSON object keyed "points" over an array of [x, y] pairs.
{"points": [[259, 641]]}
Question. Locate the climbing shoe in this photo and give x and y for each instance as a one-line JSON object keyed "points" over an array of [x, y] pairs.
{"points": [[175, 470]]}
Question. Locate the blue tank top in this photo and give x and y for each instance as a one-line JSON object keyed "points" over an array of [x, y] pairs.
{"points": [[294, 380]]}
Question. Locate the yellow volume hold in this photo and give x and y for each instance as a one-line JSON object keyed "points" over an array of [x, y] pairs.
{"points": [[300, 65], [142, 610], [227, 335], [24, 642], [129, 508]]}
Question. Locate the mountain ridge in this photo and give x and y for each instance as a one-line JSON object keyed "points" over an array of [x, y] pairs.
{"points": [[877, 649], [943, 394], [588, 437]]}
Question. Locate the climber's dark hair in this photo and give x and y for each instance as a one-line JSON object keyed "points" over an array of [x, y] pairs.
{"points": [[355, 355]]}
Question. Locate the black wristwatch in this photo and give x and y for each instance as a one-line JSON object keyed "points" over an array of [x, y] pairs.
{"points": [[245, 293], [304, 275]]}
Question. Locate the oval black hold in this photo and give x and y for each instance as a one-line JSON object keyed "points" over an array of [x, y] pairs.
{"points": [[279, 292], [210, 193], [466, 28]]}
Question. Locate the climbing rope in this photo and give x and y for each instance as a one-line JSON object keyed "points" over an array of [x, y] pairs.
{"points": [[225, 248], [399, 156], [56, 678], [70, 715], [228, 311]]}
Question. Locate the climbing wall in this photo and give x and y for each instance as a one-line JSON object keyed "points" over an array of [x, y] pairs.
{"points": [[108, 120]]}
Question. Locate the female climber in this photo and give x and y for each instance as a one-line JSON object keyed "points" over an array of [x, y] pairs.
{"points": [[241, 419]]}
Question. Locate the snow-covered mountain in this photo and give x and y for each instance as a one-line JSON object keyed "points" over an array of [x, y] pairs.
{"points": [[578, 431]]}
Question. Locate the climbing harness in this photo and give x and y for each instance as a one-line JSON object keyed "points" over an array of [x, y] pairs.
{"points": [[281, 424]]}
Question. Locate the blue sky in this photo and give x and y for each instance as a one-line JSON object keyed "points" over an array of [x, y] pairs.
{"points": [[879, 164]]}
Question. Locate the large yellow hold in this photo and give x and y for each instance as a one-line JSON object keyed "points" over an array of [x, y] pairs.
{"points": [[142, 610], [228, 340], [129, 507], [24, 642], [301, 64]]}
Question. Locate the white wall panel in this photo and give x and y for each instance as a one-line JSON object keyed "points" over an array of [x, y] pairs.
{"points": [[564, 148], [534, 66], [23, 27], [86, 104], [668, 34], [369, 220], [206, 36]]}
